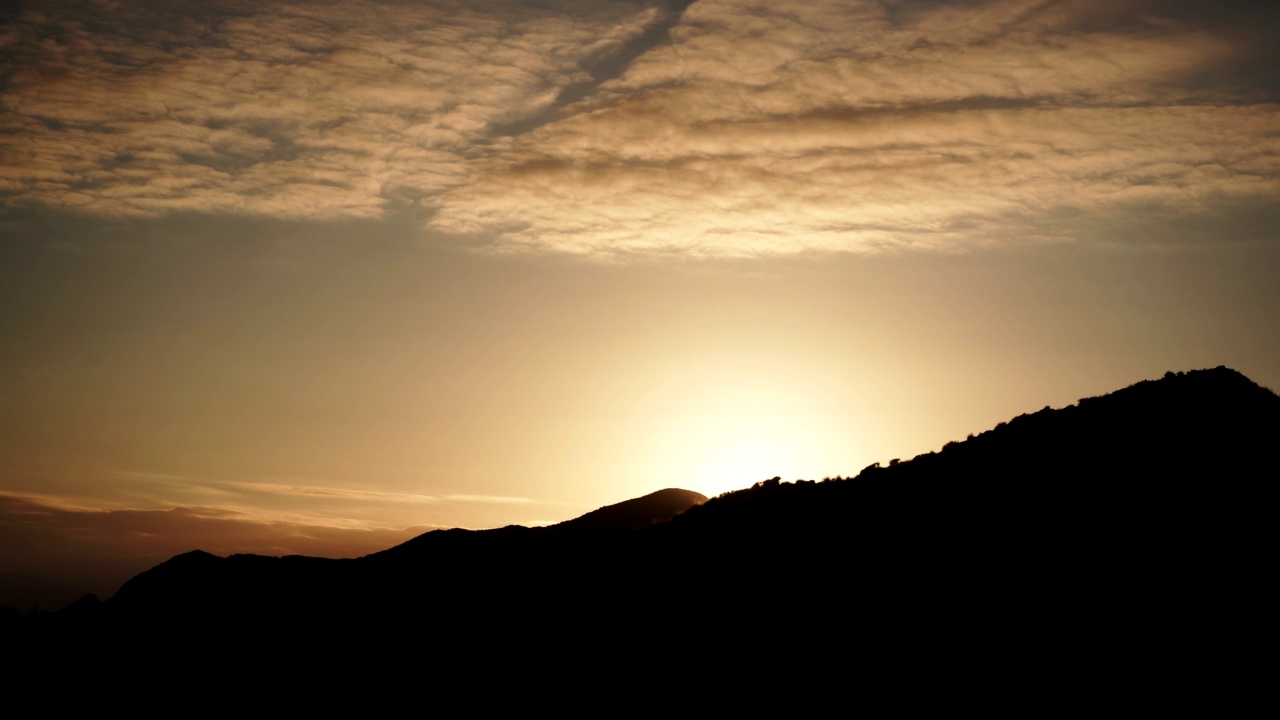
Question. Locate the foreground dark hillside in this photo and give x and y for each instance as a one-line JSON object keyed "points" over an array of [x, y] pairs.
{"points": [[1200, 439], [1156, 497], [1136, 522]]}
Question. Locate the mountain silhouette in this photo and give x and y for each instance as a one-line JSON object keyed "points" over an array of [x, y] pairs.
{"points": [[629, 515], [654, 508], [1127, 528]]}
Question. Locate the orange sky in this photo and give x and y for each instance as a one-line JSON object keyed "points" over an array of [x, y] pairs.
{"points": [[290, 278]]}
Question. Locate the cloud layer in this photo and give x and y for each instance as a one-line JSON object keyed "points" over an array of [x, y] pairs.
{"points": [[289, 109], [727, 128]]}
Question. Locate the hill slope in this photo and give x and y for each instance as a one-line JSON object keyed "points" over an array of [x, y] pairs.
{"points": [[1111, 521]]}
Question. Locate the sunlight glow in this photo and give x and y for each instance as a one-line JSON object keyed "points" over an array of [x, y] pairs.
{"points": [[739, 433]]}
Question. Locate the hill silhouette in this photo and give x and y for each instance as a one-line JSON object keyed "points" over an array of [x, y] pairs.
{"points": [[652, 509], [20, 592], [627, 516], [1130, 527]]}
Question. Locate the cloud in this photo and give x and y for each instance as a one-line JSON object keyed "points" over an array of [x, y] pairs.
{"points": [[283, 109], [99, 549], [494, 499], [152, 490], [919, 181], [613, 129], [839, 126], [337, 493], [350, 494]]}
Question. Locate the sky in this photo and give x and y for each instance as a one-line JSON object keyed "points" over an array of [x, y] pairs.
{"points": [[315, 278]]}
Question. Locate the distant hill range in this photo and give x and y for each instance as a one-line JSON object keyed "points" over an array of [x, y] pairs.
{"points": [[1134, 525], [27, 593]]}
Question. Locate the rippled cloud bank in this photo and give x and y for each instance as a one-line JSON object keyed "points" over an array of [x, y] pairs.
{"points": [[614, 129]]}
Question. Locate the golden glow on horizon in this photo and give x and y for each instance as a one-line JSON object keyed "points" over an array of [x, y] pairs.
{"points": [[731, 453], [731, 423]]}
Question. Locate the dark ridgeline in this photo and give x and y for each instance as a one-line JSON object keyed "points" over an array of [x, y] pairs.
{"points": [[1123, 535]]}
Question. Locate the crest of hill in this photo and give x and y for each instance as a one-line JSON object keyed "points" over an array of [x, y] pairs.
{"points": [[1198, 425], [652, 509], [642, 512]]}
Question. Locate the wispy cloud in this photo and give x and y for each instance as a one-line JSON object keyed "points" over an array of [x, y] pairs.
{"points": [[349, 494], [287, 109], [727, 128], [150, 490], [493, 499], [27, 503], [43, 504], [765, 129], [337, 493]]}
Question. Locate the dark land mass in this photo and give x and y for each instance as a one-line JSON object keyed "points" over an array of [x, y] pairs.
{"points": [[1121, 542], [34, 594]]}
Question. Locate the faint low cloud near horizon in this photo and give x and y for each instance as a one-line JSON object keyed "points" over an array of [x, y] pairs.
{"points": [[721, 128], [337, 493], [96, 549], [293, 501], [96, 546], [495, 499]]}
